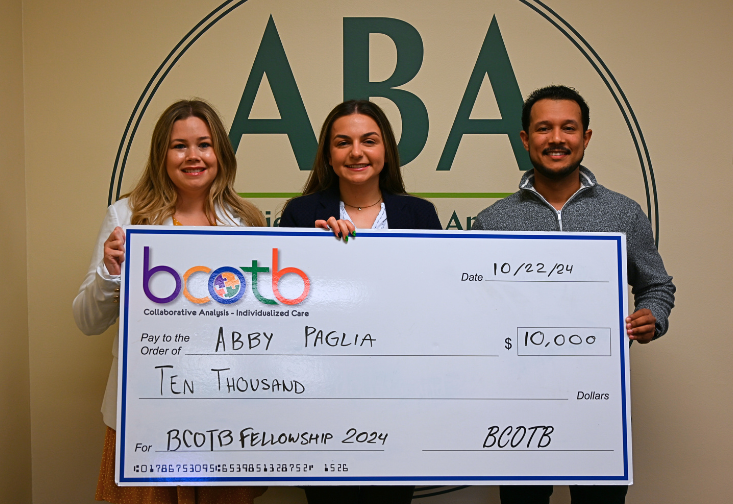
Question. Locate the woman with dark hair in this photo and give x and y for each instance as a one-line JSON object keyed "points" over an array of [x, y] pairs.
{"points": [[356, 180], [356, 183], [188, 181]]}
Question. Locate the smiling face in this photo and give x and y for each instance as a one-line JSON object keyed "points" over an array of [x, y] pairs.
{"points": [[555, 141], [191, 161], [357, 150]]}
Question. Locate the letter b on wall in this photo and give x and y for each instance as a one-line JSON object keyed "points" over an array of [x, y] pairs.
{"points": [[357, 86]]}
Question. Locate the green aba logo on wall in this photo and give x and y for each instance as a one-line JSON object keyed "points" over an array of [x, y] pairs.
{"points": [[442, 59], [493, 61]]}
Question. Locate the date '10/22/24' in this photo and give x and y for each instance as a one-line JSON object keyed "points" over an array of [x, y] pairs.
{"points": [[507, 269]]}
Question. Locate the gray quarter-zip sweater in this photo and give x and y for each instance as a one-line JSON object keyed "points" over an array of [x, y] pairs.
{"points": [[593, 209]]}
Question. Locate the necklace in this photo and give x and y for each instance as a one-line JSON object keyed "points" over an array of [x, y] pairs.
{"points": [[359, 208]]}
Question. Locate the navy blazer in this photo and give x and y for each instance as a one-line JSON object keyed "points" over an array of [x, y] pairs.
{"points": [[403, 211]]}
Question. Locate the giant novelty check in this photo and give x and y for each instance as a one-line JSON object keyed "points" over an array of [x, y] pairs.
{"points": [[287, 357]]}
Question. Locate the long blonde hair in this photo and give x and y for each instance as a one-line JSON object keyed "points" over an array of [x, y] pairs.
{"points": [[153, 200]]}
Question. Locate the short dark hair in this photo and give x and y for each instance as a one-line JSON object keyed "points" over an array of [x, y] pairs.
{"points": [[323, 177], [555, 93]]}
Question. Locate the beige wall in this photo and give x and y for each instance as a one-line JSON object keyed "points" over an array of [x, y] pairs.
{"points": [[15, 432], [682, 387], [85, 65]]}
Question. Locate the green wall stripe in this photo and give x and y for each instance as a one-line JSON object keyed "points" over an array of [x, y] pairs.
{"points": [[269, 194], [496, 195]]}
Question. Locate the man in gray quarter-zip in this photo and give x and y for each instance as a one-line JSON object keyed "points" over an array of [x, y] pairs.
{"points": [[561, 195]]}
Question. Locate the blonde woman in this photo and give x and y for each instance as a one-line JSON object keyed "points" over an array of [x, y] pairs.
{"points": [[188, 180]]}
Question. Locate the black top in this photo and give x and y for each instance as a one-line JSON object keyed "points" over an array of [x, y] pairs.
{"points": [[403, 211]]}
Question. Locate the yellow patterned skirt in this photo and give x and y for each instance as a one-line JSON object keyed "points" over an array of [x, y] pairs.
{"points": [[108, 491]]}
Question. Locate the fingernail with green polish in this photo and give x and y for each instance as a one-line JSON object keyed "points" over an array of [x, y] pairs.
{"points": [[353, 233], [346, 239]]}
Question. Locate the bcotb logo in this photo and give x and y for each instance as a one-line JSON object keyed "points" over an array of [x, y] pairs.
{"points": [[226, 285]]}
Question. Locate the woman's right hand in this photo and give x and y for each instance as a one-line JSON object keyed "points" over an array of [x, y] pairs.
{"points": [[340, 228], [114, 251]]}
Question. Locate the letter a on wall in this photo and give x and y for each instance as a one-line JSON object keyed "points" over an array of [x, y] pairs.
{"points": [[294, 122], [493, 60]]}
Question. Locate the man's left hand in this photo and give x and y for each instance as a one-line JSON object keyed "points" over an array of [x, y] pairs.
{"points": [[640, 325]]}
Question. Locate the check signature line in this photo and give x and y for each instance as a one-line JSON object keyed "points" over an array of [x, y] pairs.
{"points": [[525, 450]]}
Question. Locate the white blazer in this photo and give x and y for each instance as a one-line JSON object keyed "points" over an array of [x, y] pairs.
{"points": [[97, 307]]}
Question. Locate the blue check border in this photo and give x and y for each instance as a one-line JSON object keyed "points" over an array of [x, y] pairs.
{"points": [[621, 287]]}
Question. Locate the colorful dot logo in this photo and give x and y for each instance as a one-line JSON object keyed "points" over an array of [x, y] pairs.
{"points": [[226, 285]]}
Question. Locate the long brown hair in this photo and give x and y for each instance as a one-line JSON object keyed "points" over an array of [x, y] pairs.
{"points": [[323, 177], [153, 199]]}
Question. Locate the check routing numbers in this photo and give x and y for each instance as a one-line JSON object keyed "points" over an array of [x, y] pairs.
{"points": [[284, 384]]}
